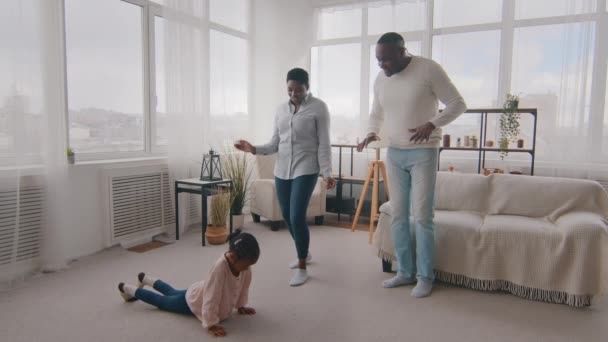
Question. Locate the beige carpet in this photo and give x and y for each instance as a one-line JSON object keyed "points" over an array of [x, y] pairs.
{"points": [[342, 302]]}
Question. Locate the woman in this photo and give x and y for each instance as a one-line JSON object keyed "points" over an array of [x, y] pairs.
{"points": [[301, 139]]}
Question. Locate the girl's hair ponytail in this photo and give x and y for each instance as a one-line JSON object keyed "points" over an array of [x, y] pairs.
{"points": [[244, 245]]}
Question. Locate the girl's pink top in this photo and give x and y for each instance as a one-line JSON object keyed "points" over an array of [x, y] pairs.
{"points": [[213, 300]]}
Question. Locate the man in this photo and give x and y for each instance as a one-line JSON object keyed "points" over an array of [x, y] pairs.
{"points": [[406, 98]]}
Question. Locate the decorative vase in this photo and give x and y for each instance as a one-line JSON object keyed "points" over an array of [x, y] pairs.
{"points": [[216, 235], [237, 221], [72, 159], [446, 140], [490, 143], [467, 141], [520, 143]]}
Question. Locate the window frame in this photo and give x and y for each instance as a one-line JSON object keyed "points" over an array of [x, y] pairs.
{"points": [[151, 10], [506, 26]]}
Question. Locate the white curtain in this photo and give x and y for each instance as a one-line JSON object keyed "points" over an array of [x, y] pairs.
{"points": [[32, 139], [186, 48]]}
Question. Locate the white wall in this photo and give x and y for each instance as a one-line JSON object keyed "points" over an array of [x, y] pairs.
{"points": [[283, 34]]}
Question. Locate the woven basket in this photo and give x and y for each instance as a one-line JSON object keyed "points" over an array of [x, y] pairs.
{"points": [[216, 235]]}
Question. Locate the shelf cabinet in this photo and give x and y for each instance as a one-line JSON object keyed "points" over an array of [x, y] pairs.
{"points": [[483, 134]]}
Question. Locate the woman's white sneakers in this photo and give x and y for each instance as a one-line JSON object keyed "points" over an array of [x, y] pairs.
{"points": [[299, 278], [301, 275], [296, 263]]}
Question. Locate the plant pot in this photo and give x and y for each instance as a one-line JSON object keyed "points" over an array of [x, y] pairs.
{"points": [[216, 235], [72, 159], [237, 221]]}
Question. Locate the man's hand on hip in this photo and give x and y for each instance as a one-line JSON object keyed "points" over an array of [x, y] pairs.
{"points": [[422, 133]]}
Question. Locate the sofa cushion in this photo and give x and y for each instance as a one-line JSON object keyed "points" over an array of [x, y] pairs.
{"points": [[461, 191], [537, 253], [544, 196], [453, 231]]}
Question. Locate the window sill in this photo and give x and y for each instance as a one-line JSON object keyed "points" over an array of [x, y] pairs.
{"points": [[117, 161]]}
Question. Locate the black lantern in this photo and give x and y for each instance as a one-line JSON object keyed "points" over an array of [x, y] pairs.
{"points": [[211, 170]]}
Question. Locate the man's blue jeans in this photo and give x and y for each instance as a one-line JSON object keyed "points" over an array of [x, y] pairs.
{"points": [[412, 174]]}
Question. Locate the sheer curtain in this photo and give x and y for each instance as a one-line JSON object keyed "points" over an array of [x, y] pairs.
{"points": [[187, 100], [552, 71], [34, 184]]}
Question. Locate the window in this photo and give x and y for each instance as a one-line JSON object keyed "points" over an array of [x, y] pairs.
{"points": [[471, 61], [339, 22], [229, 84], [335, 78], [547, 58], [196, 7], [526, 9], [403, 16], [449, 13], [605, 128], [21, 87], [116, 70], [105, 76], [553, 72], [161, 120], [230, 13]]}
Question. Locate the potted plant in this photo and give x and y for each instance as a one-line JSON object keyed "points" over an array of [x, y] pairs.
{"points": [[239, 170], [509, 124], [217, 233], [71, 156]]}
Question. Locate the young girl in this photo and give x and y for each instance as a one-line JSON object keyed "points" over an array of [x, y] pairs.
{"points": [[213, 300]]}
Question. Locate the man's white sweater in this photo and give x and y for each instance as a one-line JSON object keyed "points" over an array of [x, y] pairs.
{"points": [[409, 99]]}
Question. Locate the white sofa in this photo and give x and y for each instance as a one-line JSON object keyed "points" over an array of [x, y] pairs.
{"points": [[264, 202], [539, 238]]}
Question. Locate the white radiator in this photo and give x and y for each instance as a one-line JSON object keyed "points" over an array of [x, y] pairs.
{"points": [[21, 217], [139, 203]]}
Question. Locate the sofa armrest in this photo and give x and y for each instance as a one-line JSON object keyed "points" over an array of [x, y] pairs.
{"points": [[588, 231], [264, 200], [319, 198]]}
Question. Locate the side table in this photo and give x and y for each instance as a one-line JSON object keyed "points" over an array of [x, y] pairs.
{"points": [[203, 188]]}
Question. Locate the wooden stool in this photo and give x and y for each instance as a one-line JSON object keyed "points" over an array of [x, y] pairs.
{"points": [[375, 168]]}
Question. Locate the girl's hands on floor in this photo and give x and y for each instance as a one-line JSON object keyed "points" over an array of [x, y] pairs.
{"points": [[246, 311], [217, 331]]}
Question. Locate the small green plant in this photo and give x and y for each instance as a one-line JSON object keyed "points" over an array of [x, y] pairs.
{"points": [[70, 152], [220, 205], [509, 124]]}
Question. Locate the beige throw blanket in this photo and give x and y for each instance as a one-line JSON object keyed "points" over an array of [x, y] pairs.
{"points": [[536, 237]]}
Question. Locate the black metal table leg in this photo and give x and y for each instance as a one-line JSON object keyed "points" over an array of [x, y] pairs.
{"points": [[203, 213], [176, 212]]}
